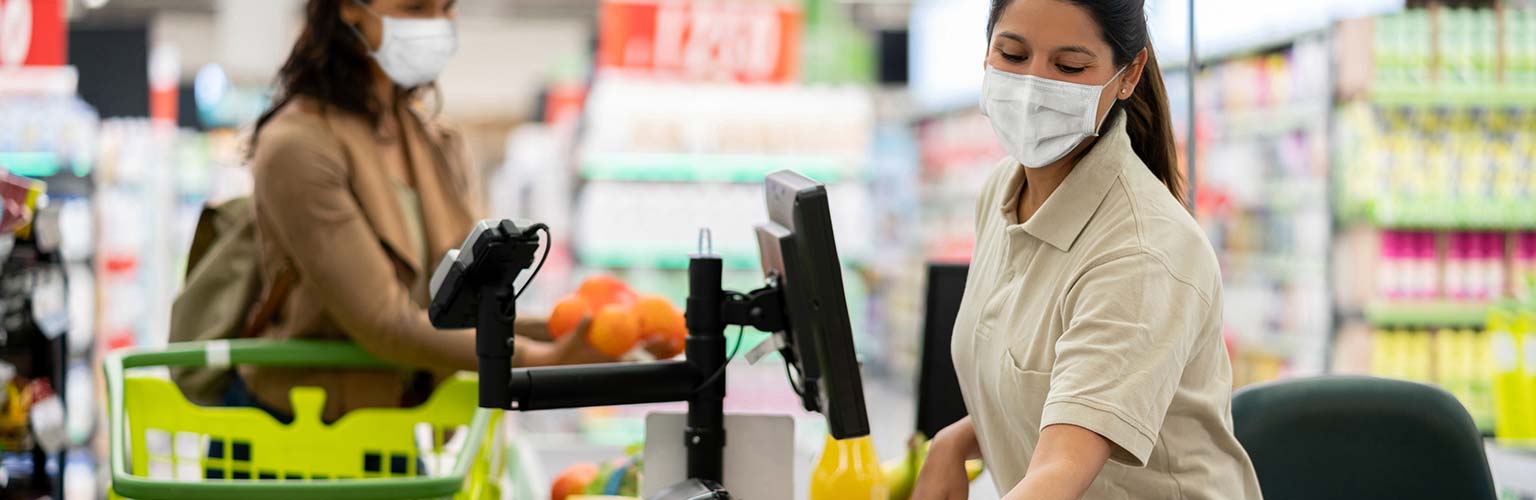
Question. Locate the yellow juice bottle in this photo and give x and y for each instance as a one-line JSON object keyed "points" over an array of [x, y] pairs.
{"points": [[1381, 353], [849, 470], [1525, 330], [1447, 372], [1511, 394], [1479, 366], [1423, 357]]}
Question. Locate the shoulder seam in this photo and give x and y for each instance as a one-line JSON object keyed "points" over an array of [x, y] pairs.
{"points": [[1156, 257], [1141, 239]]}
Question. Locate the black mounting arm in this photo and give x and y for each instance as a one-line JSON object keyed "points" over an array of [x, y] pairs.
{"points": [[762, 309], [473, 288]]}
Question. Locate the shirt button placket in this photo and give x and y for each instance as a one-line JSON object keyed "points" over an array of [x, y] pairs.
{"points": [[1022, 248]]}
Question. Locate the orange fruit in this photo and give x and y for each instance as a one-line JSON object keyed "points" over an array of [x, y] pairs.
{"points": [[615, 330], [572, 481], [657, 316], [662, 326], [568, 315], [602, 290]]}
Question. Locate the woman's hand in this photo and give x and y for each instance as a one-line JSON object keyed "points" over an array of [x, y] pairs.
{"points": [[943, 476], [572, 349]]}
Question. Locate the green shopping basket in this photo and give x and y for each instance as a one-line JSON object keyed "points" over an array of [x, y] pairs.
{"points": [[163, 447]]}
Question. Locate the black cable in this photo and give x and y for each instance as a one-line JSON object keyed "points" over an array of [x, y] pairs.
{"points": [[741, 330], [793, 384], [549, 242]]}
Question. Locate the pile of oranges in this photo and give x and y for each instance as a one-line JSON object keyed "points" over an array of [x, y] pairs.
{"points": [[621, 319]]}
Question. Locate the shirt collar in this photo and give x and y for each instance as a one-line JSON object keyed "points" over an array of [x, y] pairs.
{"points": [[1067, 211]]}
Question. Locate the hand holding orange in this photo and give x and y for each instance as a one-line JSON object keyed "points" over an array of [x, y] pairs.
{"points": [[621, 319], [662, 325]]}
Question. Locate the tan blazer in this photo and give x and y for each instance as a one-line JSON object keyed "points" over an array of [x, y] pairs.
{"points": [[327, 210]]}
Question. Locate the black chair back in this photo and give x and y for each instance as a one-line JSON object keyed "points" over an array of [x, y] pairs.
{"points": [[1359, 438]]}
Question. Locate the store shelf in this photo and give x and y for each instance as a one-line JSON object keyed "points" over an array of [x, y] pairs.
{"points": [[1426, 313], [1488, 96], [1278, 265], [35, 165], [625, 258], [663, 167], [1277, 345], [1401, 213], [1266, 122]]}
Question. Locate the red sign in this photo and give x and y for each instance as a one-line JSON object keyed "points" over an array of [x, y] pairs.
{"points": [[744, 42], [31, 33]]}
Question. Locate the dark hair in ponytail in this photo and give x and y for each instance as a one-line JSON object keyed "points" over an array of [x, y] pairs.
{"points": [[329, 63], [1123, 24]]}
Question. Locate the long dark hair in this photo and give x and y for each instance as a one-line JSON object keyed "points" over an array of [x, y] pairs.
{"points": [[1123, 24], [329, 63]]}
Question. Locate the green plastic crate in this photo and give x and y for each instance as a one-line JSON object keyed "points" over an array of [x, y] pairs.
{"points": [[164, 447]]}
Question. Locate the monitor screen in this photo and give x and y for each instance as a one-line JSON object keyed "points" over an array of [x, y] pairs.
{"points": [[939, 402], [800, 256]]}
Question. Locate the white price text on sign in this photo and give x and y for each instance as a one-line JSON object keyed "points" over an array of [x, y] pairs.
{"points": [[718, 40], [15, 31]]}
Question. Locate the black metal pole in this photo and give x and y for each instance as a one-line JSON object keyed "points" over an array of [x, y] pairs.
{"points": [[493, 345], [602, 385], [705, 436]]}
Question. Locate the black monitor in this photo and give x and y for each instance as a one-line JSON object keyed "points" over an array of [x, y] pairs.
{"points": [[799, 256], [939, 402]]}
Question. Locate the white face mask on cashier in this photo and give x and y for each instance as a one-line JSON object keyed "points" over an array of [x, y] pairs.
{"points": [[1039, 120], [413, 52]]}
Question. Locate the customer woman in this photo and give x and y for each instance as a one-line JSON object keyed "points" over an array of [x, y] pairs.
{"points": [[358, 193], [1088, 345]]}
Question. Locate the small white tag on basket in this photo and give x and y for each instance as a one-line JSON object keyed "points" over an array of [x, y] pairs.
{"points": [[217, 353]]}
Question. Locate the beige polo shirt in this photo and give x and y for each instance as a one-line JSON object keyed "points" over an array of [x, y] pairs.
{"points": [[1102, 311]]}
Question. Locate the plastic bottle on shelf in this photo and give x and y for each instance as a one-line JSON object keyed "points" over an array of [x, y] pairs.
{"points": [[1491, 268], [1496, 270], [1513, 417], [1523, 272], [1390, 271], [1469, 276], [1456, 267], [1447, 370], [1474, 383], [1429, 267], [1403, 355], [1477, 256], [1530, 264], [1424, 356], [1426, 284]]}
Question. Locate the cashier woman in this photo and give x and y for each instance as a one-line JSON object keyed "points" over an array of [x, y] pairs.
{"points": [[358, 194], [1088, 345]]}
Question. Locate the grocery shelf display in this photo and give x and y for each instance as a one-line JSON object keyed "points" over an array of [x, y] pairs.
{"points": [[1436, 204], [47, 306], [1261, 145], [663, 159]]}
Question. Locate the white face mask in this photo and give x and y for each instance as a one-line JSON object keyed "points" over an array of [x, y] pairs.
{"points": [[1040, 120], [413, 51]]}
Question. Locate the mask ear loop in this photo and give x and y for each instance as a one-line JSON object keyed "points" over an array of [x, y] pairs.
{"points": [[358, 32], [1098, 128]]}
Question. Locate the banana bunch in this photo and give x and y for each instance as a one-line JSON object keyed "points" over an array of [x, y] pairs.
{"points": [[901, 472]]}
